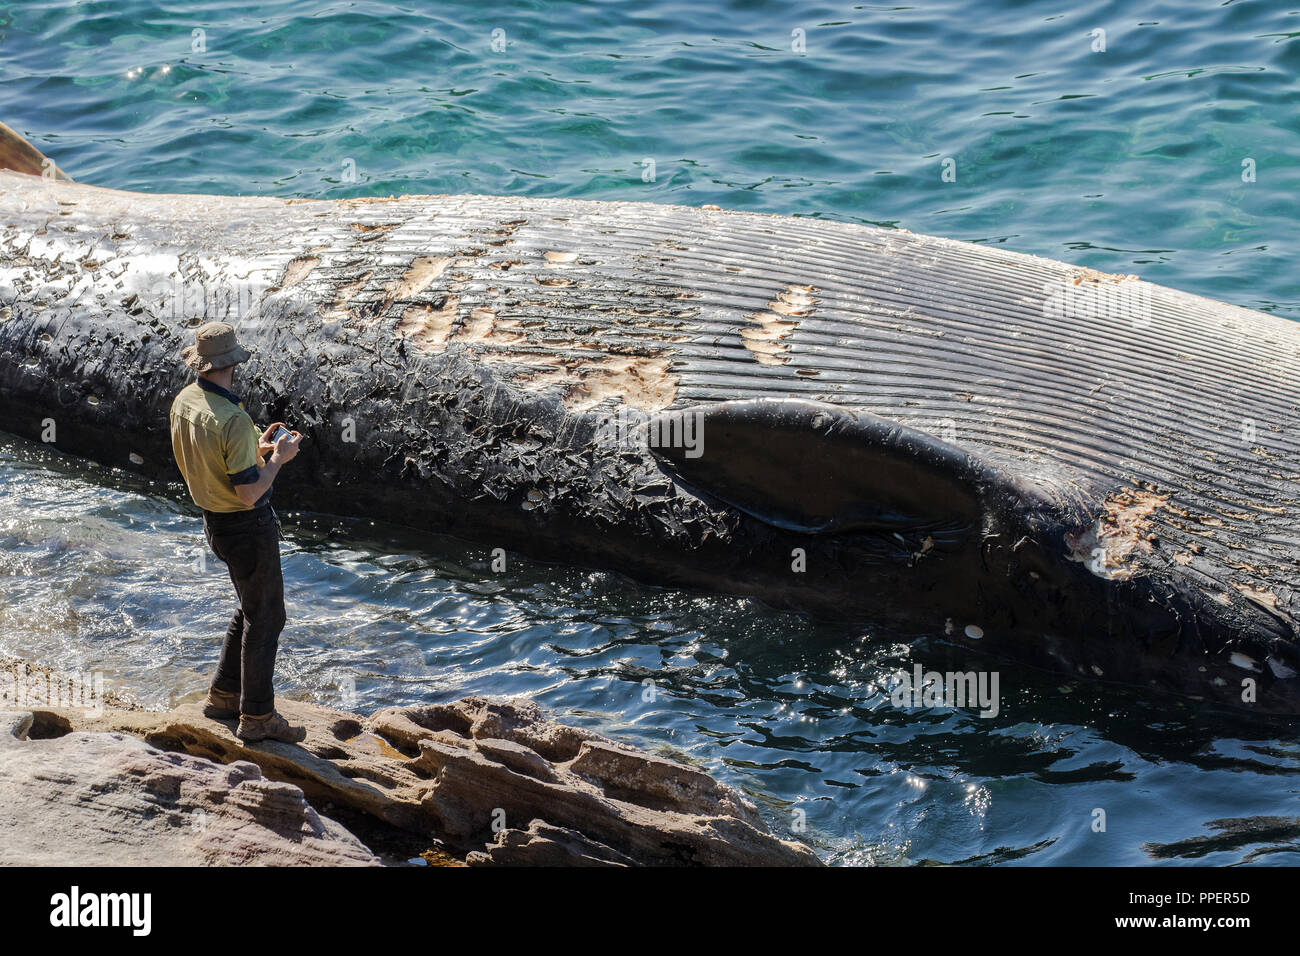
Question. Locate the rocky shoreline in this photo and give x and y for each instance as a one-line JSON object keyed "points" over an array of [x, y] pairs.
{"points": [[475, 782]]}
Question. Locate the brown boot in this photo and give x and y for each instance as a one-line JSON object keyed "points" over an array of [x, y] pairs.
{"points": [[269, 727], [221, 704]]}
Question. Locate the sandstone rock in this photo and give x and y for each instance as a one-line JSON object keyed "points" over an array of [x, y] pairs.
{"points": [[114, 800], [493, 782], [655, 811], [545, 845]]}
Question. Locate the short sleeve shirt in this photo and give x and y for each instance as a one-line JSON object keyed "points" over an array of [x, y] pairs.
{"points": [[215, 443]]}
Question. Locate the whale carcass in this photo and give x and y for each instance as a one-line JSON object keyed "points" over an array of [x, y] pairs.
{"points": [[1079, 470]]}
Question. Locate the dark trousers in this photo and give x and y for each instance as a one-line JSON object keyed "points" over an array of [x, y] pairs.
{"points": [[249, 543]]}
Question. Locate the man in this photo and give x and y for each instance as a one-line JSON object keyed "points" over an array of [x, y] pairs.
{"points": [[225, 462]]}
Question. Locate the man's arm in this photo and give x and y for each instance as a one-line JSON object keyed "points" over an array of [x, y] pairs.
{"points": [[283, 451]]}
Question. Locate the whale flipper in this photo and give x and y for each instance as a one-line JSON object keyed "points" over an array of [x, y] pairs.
{"points": [[810, 467]]}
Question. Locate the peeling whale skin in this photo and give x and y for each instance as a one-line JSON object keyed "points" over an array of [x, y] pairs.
{"points": [[1083, 472]]}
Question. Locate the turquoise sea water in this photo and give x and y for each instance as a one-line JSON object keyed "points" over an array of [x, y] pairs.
{"points": [[1127, 160]]}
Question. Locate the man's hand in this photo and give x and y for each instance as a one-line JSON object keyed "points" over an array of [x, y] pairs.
{"points": [[286, 449], [264, 444]]}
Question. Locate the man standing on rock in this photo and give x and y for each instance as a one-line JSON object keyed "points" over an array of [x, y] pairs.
{"points": [[224, 460]]}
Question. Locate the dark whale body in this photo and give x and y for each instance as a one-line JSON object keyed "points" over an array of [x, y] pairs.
{"points": [[1080, 471]]}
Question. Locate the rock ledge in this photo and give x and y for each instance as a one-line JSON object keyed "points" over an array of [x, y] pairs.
{"points": [[490, 783]]}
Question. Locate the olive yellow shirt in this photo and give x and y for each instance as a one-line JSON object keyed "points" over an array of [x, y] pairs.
{"points": [[215, 443]]}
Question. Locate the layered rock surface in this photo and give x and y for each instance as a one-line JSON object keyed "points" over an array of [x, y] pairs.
{"points": [[114, 800], [492, 783]]}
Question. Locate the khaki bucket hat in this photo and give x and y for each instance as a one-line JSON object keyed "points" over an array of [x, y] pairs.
{"points": [[215, 346]]}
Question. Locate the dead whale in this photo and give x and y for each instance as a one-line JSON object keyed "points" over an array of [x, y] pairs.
{"points": [[1081, 471]]}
